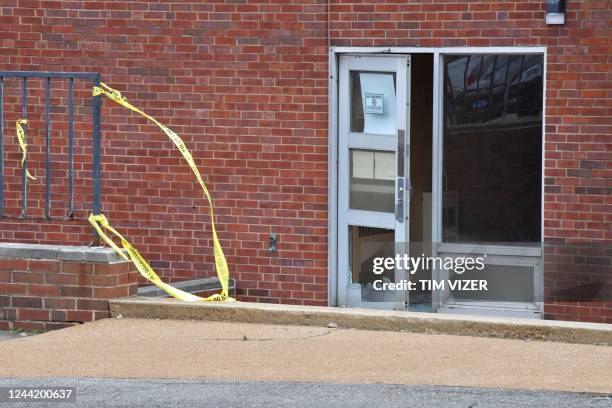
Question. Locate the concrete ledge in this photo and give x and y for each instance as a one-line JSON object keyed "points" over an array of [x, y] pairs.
{"points": [[365, 319], [191, 286], [59, 252]]}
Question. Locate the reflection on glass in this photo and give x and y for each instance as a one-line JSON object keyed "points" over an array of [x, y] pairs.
{"points": [[492, 148], [372, 180], [373, 103], [504, 284]]}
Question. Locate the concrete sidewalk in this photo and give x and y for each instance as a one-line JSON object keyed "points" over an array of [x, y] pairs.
{"points": [[181, 349]]}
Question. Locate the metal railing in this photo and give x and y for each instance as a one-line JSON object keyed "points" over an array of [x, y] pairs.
{"points": [[47, 76]]}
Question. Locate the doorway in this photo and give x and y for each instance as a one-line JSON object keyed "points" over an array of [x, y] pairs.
{"points": [[441, 177]]}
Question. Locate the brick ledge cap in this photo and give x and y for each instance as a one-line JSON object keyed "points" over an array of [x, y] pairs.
{"points": [[96, 254]]}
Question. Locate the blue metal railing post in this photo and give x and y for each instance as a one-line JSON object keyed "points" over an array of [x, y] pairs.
{"points": [[71, 147], [47, 149], [24, 169], [96, 149], [1, 146]]}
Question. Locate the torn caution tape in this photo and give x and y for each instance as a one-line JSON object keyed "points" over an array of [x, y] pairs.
{"points": [[100, 221], [141, 264], [23, 144]]}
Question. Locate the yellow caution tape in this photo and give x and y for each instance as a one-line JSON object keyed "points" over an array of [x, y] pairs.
{"points": [[23, 143], [141, 264], [99, 221]]}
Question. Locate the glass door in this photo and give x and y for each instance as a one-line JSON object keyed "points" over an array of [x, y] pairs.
{"points": [[490, 183], [373, 180]]}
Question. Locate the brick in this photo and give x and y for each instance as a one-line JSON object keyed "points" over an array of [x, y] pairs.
{"points": [[77, 268], [59, 303], [101, 315], [5, 301], [63, 279], [29, 326], [79, 316], [8, 314], [43, 290], [28, 302], [58, 315], [112, 269], [86, 280], [92, 304], [13, 288], [32, 314], [127, 278], [13, 264], [75, 291], [105, 280], [109, 293], [44, 266], [28, 277]]}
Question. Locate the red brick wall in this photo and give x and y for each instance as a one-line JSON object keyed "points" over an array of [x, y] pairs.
{"points": [[246, 86], [578, 149], [38, 294], [578, 282]]}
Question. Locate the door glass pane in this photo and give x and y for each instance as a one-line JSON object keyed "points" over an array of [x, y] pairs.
{"points": [[373, 102], [372, 181], [370, 249], [366, 245], [504, 284], [492, 167]]}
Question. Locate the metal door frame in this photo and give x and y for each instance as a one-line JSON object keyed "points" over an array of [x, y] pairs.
{"points": [[333, 60]]}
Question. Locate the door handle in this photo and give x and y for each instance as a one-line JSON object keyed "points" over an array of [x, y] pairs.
{"points": [[401, 180], [399, 202], [401, 152]]}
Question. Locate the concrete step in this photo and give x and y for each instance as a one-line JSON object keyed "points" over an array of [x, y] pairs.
{"points": [[365, 319], [195, 286]]}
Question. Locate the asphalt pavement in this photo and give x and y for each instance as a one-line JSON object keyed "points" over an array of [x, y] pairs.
{"points": [[97, 392]]}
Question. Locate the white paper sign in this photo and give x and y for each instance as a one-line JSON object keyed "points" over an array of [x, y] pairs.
{"points": [[381, 85], [374, 103]]}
